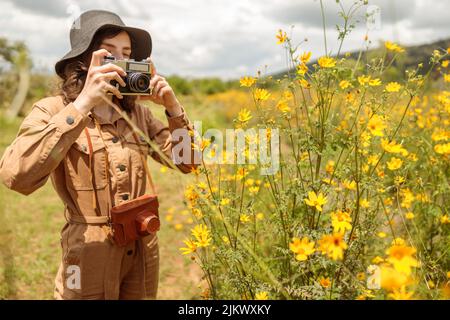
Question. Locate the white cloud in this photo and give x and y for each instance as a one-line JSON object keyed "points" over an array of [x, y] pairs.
{"points": [[219, 38]]}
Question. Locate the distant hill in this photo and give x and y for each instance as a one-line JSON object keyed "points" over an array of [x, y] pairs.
{"points": [[410, 59]]}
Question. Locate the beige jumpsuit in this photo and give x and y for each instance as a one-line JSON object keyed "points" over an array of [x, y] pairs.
{"points": [[51, 142]]}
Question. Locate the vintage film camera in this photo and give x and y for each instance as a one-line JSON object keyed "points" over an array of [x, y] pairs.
{"points": [[137, 79]]}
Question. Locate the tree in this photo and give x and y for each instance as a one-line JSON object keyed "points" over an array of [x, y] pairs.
{"points": [[17, 54]]}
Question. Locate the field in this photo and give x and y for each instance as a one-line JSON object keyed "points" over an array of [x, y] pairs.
{"points": [[356, 206], [30, 226]]}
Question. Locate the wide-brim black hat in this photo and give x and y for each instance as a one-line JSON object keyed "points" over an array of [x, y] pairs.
{"points": [[85, 27]]}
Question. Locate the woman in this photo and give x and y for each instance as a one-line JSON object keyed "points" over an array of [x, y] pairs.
{"points": [[53, 141]]}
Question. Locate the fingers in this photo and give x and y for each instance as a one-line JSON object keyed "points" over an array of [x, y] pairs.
{"points": [[152, 66], [109, 88], [109, 67], [164, 90], [114, 76], [98, 56], [159, 86], [154, 80]]}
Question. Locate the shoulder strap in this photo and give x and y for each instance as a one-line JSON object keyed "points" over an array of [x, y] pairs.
{"points": [[91, 175], [144, 161]]}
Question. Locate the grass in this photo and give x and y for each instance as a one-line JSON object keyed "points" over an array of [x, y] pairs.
{"points": [[30, 228]]}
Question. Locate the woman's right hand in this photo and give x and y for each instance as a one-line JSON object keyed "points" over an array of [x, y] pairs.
{"points": [[97, 83]]}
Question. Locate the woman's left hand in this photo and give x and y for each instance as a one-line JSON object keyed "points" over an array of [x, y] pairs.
{"points": [[162, 93]]}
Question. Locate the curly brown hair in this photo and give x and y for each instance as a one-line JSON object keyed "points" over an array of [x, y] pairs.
{"points": [[75, 71]]}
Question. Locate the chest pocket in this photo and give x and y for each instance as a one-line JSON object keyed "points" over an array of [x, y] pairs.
{"points": [[135, 158], [77, 164]]}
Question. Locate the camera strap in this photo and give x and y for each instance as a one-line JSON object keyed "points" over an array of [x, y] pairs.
{"points": [[91, 151]]}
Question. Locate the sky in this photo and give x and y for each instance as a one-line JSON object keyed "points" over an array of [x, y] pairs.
{"points": [[222, 38]]}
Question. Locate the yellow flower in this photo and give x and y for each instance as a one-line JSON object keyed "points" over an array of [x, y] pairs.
{"points": [[412, 157], [261, 94], [398, 180], [178, 226], [247, 81], [375, 82], [440, 134], [393, 87], [305, 57], [350, 185], [401, 294], [363, 80], [224, 201], [409, 215], [244, 218], [163, 169], [329, 168], [225, 239], [447, 77], [445, 63], [302, 248], [202, 145], [202, 235], [302, 69], [445, 219], [325, 282], [391, 279], [376, 125], [366, 294], [381, 234], [377, 260], [315, 200], [442, 148], [364, 203], [244, 115], [287, 95], [372, 160], [190, 247], [283, 106], [333, 246], [344, 84], [394, 163], [253, 190], [261, 295], [281, 36], [341, 221], [361, 276], [393, 147], [401, 257], [304, 83], [407, 198], [326, 62], [393, 47]]}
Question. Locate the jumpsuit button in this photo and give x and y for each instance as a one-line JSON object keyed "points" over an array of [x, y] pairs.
{"points": [[115, 139], [129, 252], [125, 197], [70, 120], [122, 167]]}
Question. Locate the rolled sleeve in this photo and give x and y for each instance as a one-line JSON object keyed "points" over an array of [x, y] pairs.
{"points": [[179, 121]]}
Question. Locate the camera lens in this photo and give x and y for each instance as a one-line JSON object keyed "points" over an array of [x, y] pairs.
{"points": [[139, 82]]}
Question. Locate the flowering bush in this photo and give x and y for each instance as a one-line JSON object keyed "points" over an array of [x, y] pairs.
{"points": [[359, 207]]}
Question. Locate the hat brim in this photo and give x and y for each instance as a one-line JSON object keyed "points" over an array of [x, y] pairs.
{"points": [[140, 39]]}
